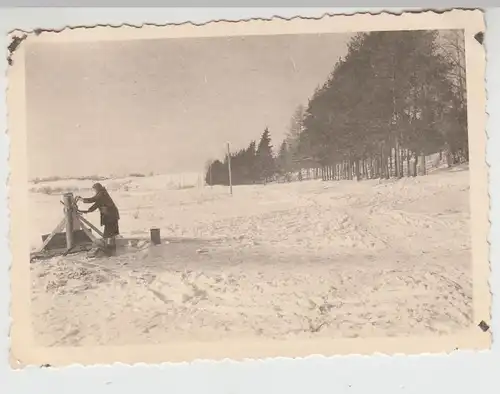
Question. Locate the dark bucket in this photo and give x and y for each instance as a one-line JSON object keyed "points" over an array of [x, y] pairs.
{"points": [[155, 236]]}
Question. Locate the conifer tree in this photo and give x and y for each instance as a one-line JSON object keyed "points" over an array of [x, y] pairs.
{"points": [[265, 165]]}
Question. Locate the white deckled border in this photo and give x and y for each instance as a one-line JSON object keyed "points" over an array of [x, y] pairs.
{"points": [[25, 350]]}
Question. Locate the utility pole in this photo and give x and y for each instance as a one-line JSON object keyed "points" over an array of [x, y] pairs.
{"points": [[229, 169]]}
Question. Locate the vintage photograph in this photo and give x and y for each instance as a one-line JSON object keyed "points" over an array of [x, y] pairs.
{"points": [[275, 187]]}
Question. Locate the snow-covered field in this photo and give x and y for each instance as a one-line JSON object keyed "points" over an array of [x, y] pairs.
{"points": [[304, 259]]}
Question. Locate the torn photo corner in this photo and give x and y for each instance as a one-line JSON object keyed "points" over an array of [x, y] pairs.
{"points": [[249, 189]]}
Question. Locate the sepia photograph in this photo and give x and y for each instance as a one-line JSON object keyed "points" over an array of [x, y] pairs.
{"points": [[264, 184]]}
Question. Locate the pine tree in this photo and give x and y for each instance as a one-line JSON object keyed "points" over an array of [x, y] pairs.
{"points": [[452, 48], [250, 163], [217, 174], [284, 162], [265, 165], [293, 136]]}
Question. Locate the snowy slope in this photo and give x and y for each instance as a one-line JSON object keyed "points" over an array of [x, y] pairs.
{"points": [[336, 259]]}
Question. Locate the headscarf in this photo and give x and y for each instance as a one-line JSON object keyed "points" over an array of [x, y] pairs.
{"points": [[97, 187]]}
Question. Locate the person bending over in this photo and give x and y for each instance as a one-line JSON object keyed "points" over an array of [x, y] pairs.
{"points": [[109, 214]]}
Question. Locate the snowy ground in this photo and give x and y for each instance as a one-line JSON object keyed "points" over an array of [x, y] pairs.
{"points": [[333, 259]]}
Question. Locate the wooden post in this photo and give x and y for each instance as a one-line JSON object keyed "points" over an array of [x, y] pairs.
{"points": [[155, 236], [69, 215], [79, 217], [229, 169]]}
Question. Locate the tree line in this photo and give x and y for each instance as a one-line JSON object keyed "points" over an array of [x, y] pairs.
{"points": [[254, 164], [395, 98]]}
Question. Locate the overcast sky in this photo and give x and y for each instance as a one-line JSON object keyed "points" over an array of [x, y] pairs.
{"points": [[165, 105]]}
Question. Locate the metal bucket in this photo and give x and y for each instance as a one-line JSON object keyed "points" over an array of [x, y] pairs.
{"points": [[155, 236]]}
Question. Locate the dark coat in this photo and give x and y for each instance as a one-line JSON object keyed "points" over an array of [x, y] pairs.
{"points": [[103, 202]]}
